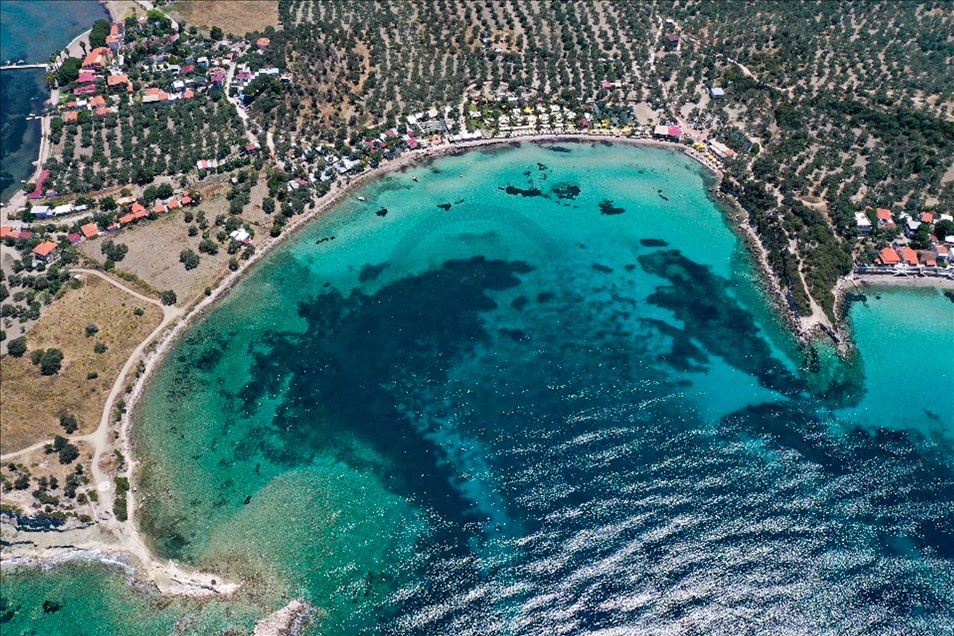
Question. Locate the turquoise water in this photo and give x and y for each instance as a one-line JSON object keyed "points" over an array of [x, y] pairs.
{"points": [[489, 406], [910, 373], [31, 30]]}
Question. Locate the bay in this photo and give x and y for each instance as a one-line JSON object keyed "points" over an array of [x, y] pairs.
{"points": [[497, 407]]}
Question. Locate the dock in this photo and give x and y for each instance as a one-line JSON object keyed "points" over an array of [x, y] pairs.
{"points": [[12, 67]]}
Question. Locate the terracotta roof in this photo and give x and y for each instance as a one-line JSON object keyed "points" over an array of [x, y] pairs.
{"points": [[927, 217], [5, 231], [159, 208], [262, 42], [97, 101], [44, 248], [884, 214], [127, 218], [928, 258], [185, 200], [173, 204], [889, 256], [116, 80], [909, 256], [139, 210], [96, 57], [74, 237], [90, 230]]}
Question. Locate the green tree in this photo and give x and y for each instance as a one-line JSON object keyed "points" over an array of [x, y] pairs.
{"points": [[943, 229], [17, 347], [98, 34], [69, 423], [68, 72], [168, 297], [189, 258], [51, 361], [113, 251]]}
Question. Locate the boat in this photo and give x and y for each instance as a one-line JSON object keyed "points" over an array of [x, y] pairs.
{"points": [[360, 198], [414, 179]]}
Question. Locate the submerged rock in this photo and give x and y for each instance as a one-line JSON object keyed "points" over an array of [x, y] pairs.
{"points": [[607, 208], [566, 191], [528, 192]]}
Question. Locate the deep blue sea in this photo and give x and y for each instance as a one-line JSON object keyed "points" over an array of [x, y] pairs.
{"points": [[31, 30], [537, 390]]}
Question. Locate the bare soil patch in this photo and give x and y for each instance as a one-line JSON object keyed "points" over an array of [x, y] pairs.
{"points": [[232, 16], [31, 403]]}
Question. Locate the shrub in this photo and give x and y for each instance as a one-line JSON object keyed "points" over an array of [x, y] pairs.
{"points": [[69, 423], [168, 297], [49, 360], [17, 347], [91, 330]]}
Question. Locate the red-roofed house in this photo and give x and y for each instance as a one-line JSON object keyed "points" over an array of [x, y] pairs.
{"points": [[154, 95], [262, 43], [86, 77], [71, 115], [96, 58], [97, 102], [90, 230], [185, 200], [927, 217], [89, 89], [117, 80], [139, 211], [909, 256], [127, 218], [674, 132], [888, 256], [74, 238], [927, 258], [159, 208], [24, 234], [173, 204], [5, 231], [884, 215], [46, 251], [38, 192]]}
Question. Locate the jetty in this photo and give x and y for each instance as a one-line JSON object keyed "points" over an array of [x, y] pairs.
{"points": [[12, 67]]}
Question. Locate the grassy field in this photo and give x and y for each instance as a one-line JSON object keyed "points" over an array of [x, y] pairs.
{"points": [[232, 16], [31, 403]]}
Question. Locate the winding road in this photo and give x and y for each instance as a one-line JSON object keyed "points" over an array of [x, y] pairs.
{"points": [[98, 438]]}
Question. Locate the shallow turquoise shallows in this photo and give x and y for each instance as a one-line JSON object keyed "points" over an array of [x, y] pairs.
{"points": [[537, 390]]}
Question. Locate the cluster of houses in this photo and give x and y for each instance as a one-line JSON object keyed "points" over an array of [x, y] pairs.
{"points": [[138, 211], [900, 253], [48, 251]]}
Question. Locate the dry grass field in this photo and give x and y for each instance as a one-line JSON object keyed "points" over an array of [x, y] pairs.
{"points": [[232, 16], [153, 256], [31, 403]]}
